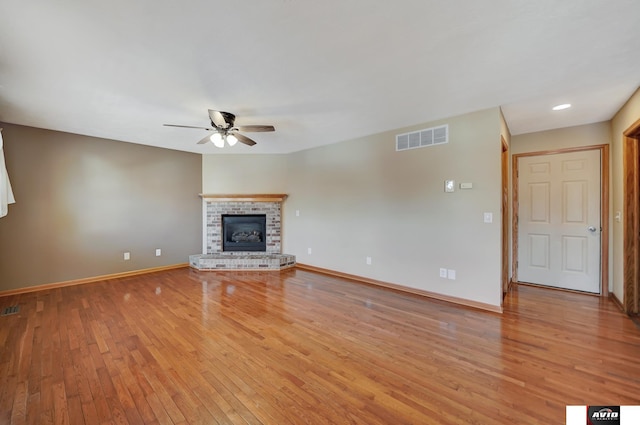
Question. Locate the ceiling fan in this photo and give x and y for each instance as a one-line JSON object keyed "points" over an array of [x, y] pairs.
{"points": [[223, 125]]}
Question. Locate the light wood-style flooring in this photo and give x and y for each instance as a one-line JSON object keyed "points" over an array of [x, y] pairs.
{"points": [[297, 347]]}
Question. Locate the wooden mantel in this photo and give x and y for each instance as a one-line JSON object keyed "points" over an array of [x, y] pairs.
{"points": [[269, 197]]}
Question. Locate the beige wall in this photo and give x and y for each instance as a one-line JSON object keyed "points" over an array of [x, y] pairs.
{"points": [[243, 174], [81, 202], [569, 137], [628, 114], [361, 198]]}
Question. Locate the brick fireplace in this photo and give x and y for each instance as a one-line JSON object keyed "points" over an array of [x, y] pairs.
{"points": [[215, 208], [214, 257]]}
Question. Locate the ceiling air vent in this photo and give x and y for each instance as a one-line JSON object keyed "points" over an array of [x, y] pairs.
{"points": [[422, 138]]}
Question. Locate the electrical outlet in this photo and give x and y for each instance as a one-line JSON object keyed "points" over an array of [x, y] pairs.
{"points": [[488, 217], [158, 252], [309, 251], [451, 274], [127, 256], [368, 260], [443, 273]]}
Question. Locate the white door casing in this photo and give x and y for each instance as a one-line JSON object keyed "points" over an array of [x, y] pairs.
{"points": [[559, 227]]}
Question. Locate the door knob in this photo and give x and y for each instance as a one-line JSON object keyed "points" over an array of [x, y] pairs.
{"points": [[591, 229]]}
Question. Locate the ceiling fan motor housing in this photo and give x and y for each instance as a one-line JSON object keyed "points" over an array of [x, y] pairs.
{"points": [[228, 117]]}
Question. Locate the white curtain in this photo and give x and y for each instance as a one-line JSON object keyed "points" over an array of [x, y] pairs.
{"points": [[6, 194]]}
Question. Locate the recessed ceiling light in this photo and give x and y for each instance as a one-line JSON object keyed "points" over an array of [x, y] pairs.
{"points": [[561, 107]]}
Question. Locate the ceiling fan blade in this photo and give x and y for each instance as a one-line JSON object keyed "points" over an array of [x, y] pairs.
{"points": [[244, 139], [189, 126], [256, 128], [217, 119], [205, 139]]}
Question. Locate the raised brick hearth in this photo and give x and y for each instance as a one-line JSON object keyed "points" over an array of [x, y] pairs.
{"points": [[233, 261], [215, 259]]}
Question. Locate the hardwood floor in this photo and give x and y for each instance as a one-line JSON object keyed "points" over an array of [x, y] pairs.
{"points": [[183, 347]]}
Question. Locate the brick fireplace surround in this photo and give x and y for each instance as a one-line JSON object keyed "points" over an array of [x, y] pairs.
{"points": [[216, 259]]}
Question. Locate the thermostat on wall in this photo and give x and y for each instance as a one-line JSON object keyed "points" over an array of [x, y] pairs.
{"points": [[449, 185]]}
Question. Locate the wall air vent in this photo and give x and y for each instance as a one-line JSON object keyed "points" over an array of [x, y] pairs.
{"points": [[10, 310], [422, 138]]}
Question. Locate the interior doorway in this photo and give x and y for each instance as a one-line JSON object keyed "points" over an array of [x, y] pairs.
{"points": [[631, 214], [560, 218]]}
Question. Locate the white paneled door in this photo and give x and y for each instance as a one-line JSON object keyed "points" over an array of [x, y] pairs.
{"points": [[559, 220]]}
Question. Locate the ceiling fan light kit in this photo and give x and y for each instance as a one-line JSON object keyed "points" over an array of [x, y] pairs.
{"points": [[222, 123], [231, 140], [218, 140]]}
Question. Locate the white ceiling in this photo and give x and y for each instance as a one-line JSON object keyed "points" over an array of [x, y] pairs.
{"points": [[319, 71]]}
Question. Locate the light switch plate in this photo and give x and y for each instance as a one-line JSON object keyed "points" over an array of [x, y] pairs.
{"points": [[449, 185], [488, 217]]}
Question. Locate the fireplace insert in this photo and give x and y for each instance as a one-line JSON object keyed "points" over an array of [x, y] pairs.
{"points": [[245, 232]]}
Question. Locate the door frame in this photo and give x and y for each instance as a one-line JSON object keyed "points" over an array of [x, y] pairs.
{"points": [[504, 159], [631, 214], [604, 209]]}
